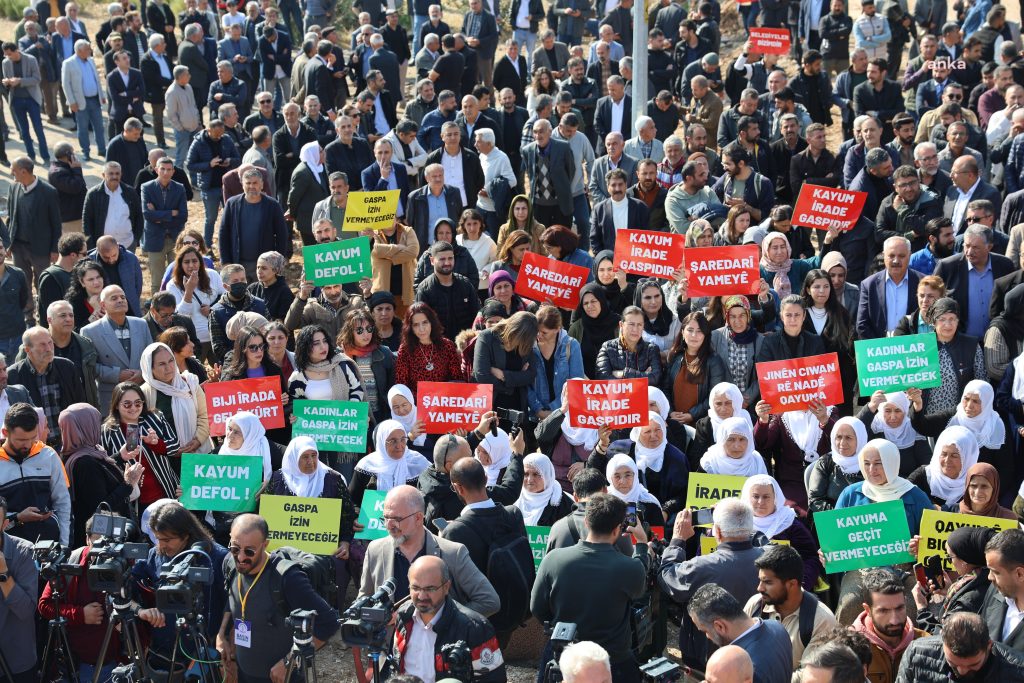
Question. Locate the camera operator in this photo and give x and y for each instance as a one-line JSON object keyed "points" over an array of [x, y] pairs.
{"points": [[431, 620], [176, 530], [585, 662], [598, 605], [86, 616], [254, 633], [567, 531], [19, 585]]}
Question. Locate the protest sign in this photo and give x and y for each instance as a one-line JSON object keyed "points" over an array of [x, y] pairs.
{"points": [[620, 403], [709, 544], [648, 253], [309, 524], [335, 263], [260, 396], [864, 536], [705, 490], [771, 41], [370, 513], [543, 279], [937, 526], [538, 538], [721, 271], [822, 207], [897, 363], [370, 210], [221, 483], [447, 406], [333, 425], [792, 384]]}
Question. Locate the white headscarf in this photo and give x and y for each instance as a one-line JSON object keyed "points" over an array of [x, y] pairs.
{"points": [[715, 461], [532, 505], [805, 431], [1018, 378], [500, 450], [952, 490], [849, 464], [310, 153], [637, 494], [254, 440], [656, 395], [409, 421], [579, 436], [895, 486], [783, 516], [301, 484], [182, 390], [987, 427], [733, 392], [391, 472], [903, 436], [650, 458]]}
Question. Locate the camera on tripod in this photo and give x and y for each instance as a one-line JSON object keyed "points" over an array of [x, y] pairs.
{"points": [[364, 624], [52, 560], [181, 586], [110, 556], [563, 634], [661, 670], [301, 622]]}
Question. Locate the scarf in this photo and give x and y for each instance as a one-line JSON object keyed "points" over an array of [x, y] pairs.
{"points": [[895, 486], [951, 489], [733, 392], [986, 426], [781, 518], [849, 464], [254, 440], [301, 484], [863, 624], [500, 450], [781, 282], [902, 436], [715, 461], [361, 351], [606, 325], [993, 509], [532, 505], [391, 472], [310, 153], [803, 428], [578, 436], [636, 495], [409, 421], [80, 438], [656, 395], [747, 336], [335, 370], [182, 390], [662, 324], [650, 458]]}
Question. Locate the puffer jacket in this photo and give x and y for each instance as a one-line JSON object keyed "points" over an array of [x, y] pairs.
{"points": [[613, 357], [201, 153], [967, 598], [924, 662]]}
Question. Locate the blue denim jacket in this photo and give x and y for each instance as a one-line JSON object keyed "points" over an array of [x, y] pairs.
{"points": [[568, 365]]}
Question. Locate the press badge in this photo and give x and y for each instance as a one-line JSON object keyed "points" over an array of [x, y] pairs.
{"points": [[243, 633]]}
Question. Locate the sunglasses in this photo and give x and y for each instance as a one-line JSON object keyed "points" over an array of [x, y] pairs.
{"points": [[266, 101], [365, 330], [256, 348], [248, 552], [131, 404]]}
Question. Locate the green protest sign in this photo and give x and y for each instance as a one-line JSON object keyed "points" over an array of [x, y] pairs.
{"points": [[538, 537], [333, 425], [864, 536], [897, 363], [335, 263], [370, 513], [222, 483]]}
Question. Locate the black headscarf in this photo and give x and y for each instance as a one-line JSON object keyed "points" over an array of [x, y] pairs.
{"points": [[594, 331], [968, 543], [661, 325], [1010, 322], [612, 291]]}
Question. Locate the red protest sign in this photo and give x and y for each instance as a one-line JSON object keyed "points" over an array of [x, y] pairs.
{"points": [[542, 278], [791, 384], [619, 403], [260, 396], [648, 253], [447, 406], [822, 207], [721, 271], [773, 41]]}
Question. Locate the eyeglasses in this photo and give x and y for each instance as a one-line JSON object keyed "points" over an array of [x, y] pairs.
{"points": [[190, 243], [127, 405], [426, 589], [256, 348], [365, 330], [235, 550], [397, 520], [266, 101]]}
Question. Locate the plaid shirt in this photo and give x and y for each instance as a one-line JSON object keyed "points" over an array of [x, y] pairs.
{"points": [[1014, 175], [668, 176], [49, 393]]}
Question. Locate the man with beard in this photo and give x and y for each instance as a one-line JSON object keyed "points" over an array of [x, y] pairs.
{"points": [[783, 150], [452, 296], [939, 233], [902, 145], [907, 211], [1004, 556], [781, 597], [741, 184], [253, 223], [964, 652], [650, 193], [691, 198], [349, 154], [332, 208], [884, 622], [875, 179], [926, 160]]}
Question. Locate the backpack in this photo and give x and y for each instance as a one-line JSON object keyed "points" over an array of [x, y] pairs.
{"points": [[510, 570], [808, 610], [319, 569]]}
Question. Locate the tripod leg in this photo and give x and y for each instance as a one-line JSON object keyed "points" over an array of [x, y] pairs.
{"points": [[103, 649], [71, 670]]}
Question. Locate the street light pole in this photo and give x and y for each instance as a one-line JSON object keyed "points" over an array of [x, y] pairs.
{"points": [[640, 78]]}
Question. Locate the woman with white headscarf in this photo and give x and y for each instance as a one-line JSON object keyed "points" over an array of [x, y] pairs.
{"points": [[778, 522], [880, 466], [244, 434], [178, 396], [734, 453], [944, 479], [494, 452], [838, 468], [403, 409], [624, 483], [391, 465], [569, 446], [797, 438], [308, 186], [724, 401], [887, 416], [542, 501]]}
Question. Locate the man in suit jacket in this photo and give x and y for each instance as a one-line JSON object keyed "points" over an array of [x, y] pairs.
{"points": [[274, 51], [553, 159], [319, 76], [417, 211], [88, 109], [33, 225], [382, 174], [967, 186], [385, 62], [603, 228], [191, 55], [453, 152], [157, 74], [960, 273], [113, 363], [481, 30], [882, 294], [541, 56], [472, 119], [287, 143], [512, 72], [126, 89], [26, 97], [615, 158], [383, 115], [614, 113], [243, 242], [1004, 555], [237, 49]]}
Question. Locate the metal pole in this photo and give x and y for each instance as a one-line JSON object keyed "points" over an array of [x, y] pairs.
{"points": [[640, 77]]}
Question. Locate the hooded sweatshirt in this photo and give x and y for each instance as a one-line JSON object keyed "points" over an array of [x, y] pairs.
{"points": [[37, 481]]}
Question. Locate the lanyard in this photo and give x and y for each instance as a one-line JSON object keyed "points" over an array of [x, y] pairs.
{"points": [[245, 596]]}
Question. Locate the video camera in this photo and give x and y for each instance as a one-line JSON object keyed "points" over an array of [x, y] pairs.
{"points": [[517, 418], [111, 556], [180, 590], [364, 623], [563, 635], [52, 560], [661, 670]]}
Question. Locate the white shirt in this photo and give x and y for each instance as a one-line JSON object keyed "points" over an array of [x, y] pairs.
{"points": [[380, 121], [452, 166], [199, 299], [617, 112], [1012, 619], [118, 224], [482, 505], [5, 404], [419, 653], [494, 164], [960, 208], [620, 214], [524, 11], [229, 20]]}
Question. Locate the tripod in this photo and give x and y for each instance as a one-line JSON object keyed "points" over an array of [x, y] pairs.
{"points": [[58, 647], [193, 635], [125, 616], [301, 658]]}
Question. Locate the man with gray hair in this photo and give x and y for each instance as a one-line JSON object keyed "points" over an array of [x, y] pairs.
{"points": [[499, 179], [226, 89], [926, 161], [613, 112], [875, 179], [889, 294], [129, 149], [80, 83], [585, 662], [645, 144], [182, 113], [113, 208], [970, 276], [731, 566]]}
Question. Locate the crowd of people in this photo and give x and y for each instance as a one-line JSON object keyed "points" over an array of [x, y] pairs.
{"points": [[515, 133]]}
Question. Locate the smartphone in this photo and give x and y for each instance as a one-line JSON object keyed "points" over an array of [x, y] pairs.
{"points": [[440, 524], [131, 437], [704, 517], [933, 570], [630, 515], [922, 577]]}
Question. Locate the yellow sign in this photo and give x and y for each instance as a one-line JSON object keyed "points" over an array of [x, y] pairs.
{"points": [[705, 490], [708, 544], [937, 526], [370, 210], [309, 524]]}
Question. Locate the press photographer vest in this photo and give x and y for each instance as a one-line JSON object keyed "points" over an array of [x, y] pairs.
{"points": [[271, 636]]}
